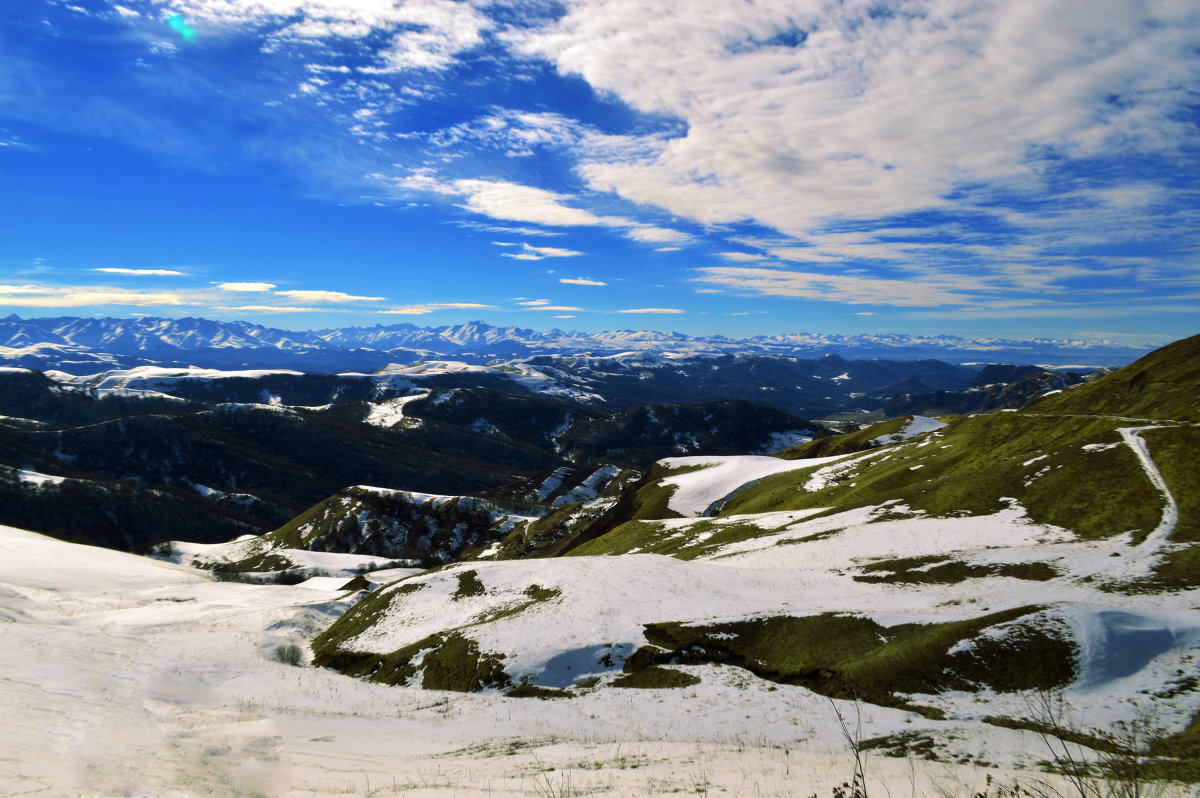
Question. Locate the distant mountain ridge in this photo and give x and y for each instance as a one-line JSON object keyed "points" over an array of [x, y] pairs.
{"points": [[87, 345]]}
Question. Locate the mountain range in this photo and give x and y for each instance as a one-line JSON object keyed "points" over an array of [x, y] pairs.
{"points": [[86, 345]]}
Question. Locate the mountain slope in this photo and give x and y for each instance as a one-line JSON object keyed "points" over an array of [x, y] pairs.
{"points": [[948, 569], [1160, 386]]}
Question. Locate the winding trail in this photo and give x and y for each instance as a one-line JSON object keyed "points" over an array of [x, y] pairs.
{"points": [[1170, 514]]}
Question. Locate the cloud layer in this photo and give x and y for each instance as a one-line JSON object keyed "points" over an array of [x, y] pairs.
{"points": [[947, 157]]}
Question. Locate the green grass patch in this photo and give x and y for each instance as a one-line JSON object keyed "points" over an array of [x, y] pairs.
{"points": [[537, 595], [1153, 758], [1067, 735], [643, 671], [468, 585], [1184, 749], [686, 542], [450, 662], [651, 496], [845, 656], [656, 678], [457, 664], [924, 571], [527, 690]]}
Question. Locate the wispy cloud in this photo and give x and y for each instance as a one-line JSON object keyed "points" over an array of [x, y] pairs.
{"points": [[328, 296], [418, 34], [580, 281], [141, 272], [36, 296], [667, 311], [529, 252], [272, 309], [246, 287], [431, 307], [872, 115], [520, 203], [648, 234], [847, 289]]}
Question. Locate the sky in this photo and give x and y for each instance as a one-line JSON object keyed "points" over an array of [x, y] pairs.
{"points": [[987, 169]]}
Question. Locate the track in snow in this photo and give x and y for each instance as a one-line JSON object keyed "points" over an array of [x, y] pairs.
{"points": [[1170, 515]]}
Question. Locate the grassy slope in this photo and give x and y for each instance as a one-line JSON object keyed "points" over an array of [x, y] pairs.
{"points": [[976, 462], [1161, 385], [968, 468]]}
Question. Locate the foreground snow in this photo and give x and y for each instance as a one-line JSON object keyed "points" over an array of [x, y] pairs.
{"points": [[123, 675]]}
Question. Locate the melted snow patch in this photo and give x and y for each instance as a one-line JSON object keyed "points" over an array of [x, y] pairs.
{"points": [[31, 477], [919, 425], [786, 440], [697, 491], [390, 412]]}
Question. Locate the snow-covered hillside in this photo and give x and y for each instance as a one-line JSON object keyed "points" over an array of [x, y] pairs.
{"points": [[123, 675]]}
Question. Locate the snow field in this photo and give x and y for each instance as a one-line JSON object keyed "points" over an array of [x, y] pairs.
{"points": [[146, 677], [718, 477], [124, 675]]}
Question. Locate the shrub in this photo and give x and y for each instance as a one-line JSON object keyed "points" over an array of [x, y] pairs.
{"points": [[288, 654]]}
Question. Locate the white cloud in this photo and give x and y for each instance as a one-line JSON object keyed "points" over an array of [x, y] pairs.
{"points": [[580, 281], [140, 272], [561, 308], [247, 287], [652, 310], [564, 317], [540, 253], [533, 302], [410, 310], [513, 133], [37, 296], [519, 203], [872, 115], [272, 309], [848, 289], [648, 234], [420, 34], [424, 309], [744, 257], [328, 296]]}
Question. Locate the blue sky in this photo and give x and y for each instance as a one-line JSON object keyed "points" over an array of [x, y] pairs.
{"points": [[1011, 169]]}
